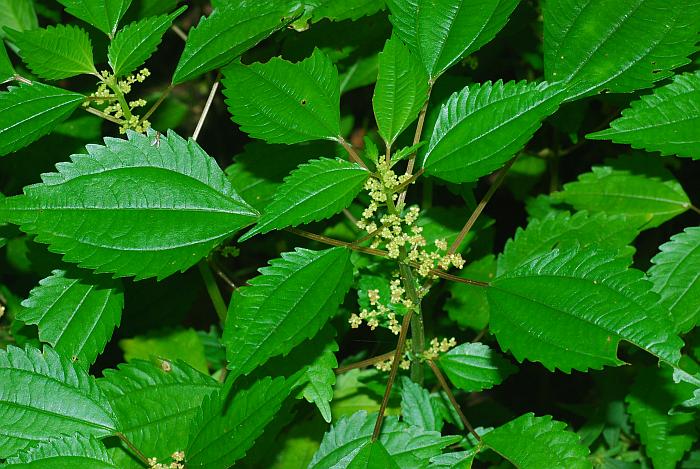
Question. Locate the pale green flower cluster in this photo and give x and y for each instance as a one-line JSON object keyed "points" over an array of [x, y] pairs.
{"points": [[178, 458], [109, 92]]}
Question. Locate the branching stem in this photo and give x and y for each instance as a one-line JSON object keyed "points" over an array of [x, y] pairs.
{"points": [[207, 107], [137, 452], [351, 151], [365, 363], [157, 104], [416, 139], [104, 116], [446, 387]]}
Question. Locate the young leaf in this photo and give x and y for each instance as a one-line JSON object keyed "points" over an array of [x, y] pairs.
{"points": [[538, 443], [45, 395], [597, 43], [646, 200], [373, 456], [102, 14], [442, 32], [155, 404], [569, 309], [475, 367], [64, 452], [561, 229], [75, 313], [297, 294], [56, 52], [225, 428], [135, 43], [483, 126], [154, 209], [28, 112], [415, 406], [231, 29], [665, 121], [675, 277], [401, 90], [7, 71], [321, 378], [314, 191], [409, 446], [17, 14], [283, 102]]}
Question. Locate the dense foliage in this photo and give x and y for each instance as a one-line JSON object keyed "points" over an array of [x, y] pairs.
{"points": [[349, 234]]}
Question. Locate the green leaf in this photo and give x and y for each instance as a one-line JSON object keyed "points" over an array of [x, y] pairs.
{"points": [[473, 367], [597, 44], [156, 404], [45, 395], [225, 429], [154, 209], [401, 90], [373, 456], [646, 200], [7, 71], [339, 10], [17, 14], [102, 14], [562, 230], [64, 452], [569, 309], [169, 345], [442, 32], [665, 121], [483, 126], [231, 29], [468, 305], [321, 377], [408, 445], [289, 302], [284, 102], [76, 314], [156, 7], [666, 438], [675, 277], [415, 406], [538, 443], [135, 43], [460, 460], [56, 52], [313, 192], [28, 112]]}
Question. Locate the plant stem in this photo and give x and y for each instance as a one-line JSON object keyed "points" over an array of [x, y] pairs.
{"points": [[445, 387], [137, 452], [351, 151], [695, 209], [416, 139], [176, 29], [403, 187], [114, 86], [365, 363], [392, 374], [157, 104], [417, 329], [207, 107], [21, 79], [104, 116], [213, 290], [480, 207]]}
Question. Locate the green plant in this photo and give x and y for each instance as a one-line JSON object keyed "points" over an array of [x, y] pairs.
{"points": [[421, 337]]}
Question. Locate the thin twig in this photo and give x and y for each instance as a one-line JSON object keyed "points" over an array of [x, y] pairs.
{"points": [[481, 334], [213, 290], [480, 207], [695, 209], [104, 116], [416, 139], [351, 151], [176, 29], [402, 187], [21, 79], [365, 363], [392, 374], [445, 387], [137, 452], [207, 106], [222, 275], [350, 216], [157, 104]]}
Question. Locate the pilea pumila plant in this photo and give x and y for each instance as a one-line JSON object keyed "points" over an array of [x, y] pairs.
{"points": [[349, 234]]}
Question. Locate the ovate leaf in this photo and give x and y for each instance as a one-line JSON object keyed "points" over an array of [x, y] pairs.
{"points": [[231, 29], [473, 367], [17, 14], [75, 313], [373, 456], [56, 52], [538, 443], [409, 446], [569, 309], [666, 121], [45, 395], [314, 191], [401, 90], [441, 32], [225, 428], [289, 302], [283, 102], [415, 406], [134, 44], [64, 452], [483, 126], [596, 44], [102, 14], [153, 209], [676, 277], [28, 112], [563, 230], [666, 438], [156, 404]]}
